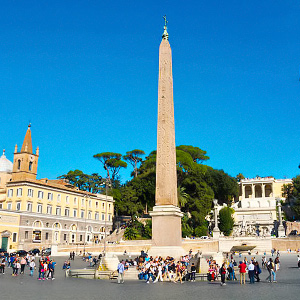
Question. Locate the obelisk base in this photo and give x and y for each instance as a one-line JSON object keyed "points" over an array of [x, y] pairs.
{"points": [[166, 231], [281, 231]]}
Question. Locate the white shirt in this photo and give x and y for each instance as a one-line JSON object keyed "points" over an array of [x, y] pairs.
{"points": [[251, 267]]}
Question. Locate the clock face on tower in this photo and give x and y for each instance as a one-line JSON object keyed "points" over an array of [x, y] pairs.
{"points": [[31, 158]]}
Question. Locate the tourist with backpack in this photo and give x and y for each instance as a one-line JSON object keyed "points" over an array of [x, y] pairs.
{"points": [[271, 270]]}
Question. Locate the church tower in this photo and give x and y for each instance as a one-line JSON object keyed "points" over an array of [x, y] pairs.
{"points": [[25, 162]]}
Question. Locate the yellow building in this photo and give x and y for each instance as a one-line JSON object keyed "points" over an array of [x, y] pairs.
{"points": [[48, 212]]}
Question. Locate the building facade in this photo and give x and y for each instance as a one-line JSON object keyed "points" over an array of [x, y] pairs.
{"points": [[255, 212], [40, 213]]}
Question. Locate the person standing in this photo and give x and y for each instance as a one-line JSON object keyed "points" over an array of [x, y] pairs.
{"points": [[51, 268], [251, 272], [23, 264], [257, 271], [193, 272], [271, 270], [41, 270], [32, 266], [242, 268], [121, 272], [223, 274]]}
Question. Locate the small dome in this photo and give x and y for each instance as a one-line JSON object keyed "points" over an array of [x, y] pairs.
{"points": [[5, 164]]}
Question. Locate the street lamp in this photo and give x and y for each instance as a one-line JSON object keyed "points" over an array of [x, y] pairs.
{"points": [[106, 185], [85, 224]]}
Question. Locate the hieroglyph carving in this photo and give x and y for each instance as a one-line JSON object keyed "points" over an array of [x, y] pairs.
{"points": [[166, 177]]}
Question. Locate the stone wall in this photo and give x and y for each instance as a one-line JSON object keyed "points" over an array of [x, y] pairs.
{"points": [[286, 243]]}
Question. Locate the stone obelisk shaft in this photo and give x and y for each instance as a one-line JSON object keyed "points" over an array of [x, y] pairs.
{"points": [[166, 177], [166, 215]]}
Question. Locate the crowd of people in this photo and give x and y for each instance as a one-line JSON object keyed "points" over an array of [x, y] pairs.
{"points": [[159, 269], [18, 264], [168, 269]]}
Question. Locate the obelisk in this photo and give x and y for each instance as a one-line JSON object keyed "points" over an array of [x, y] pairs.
{"points": [[166, 215]]}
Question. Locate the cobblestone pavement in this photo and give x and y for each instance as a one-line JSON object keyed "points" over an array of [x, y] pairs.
{"points": [[25, 287]]}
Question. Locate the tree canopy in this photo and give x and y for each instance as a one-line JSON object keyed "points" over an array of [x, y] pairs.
{"points": [[198, 184]]}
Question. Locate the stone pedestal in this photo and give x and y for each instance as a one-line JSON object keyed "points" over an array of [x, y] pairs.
{"points": [[219, 258], [54, 249], [166, 231], [281, 231], [216, 233]]}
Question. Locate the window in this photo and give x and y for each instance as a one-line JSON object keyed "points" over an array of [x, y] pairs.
{"points": [[96, 216], [40, 195], [90, 215], [108, 206], [67, 212], [67, 199], [14, 237], [103, 205], [75, 201], [82, 202], [82, 214], [58, 211], [49, 209], [29, 206], [30, 193], [108, 217], [19, 192], [18, 206], [1, 205], [97, 204], [80, 238], [65, 236], [75, 213], [9, 205], [90, 203], [30, 166], [58, 198], [19, 164], [47, 236], [103, 217], [39, 208], [10, 193], [37, 235], [26, 235], [50, 196]]}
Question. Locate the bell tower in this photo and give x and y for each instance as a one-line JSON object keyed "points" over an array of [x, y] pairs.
{"points": [[25, 162]]}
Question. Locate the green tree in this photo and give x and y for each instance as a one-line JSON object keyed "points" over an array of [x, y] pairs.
{"points": [[134, 158], [112, 163], [226, 220], [296, 197], [239, 177], [224, 186], [130, 233]]}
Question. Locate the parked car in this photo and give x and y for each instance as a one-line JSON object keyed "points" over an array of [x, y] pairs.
{"points": [[204, 237], [46, 251], [34, 251], [21, 252]]}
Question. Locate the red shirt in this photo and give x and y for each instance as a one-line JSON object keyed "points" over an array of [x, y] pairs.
{"points": [[242, 267]]}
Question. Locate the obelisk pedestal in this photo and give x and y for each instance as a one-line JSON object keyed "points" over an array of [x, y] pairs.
{"points": [[166, 215]]}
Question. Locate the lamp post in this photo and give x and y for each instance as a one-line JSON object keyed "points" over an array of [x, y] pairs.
{"points": [[85, 224], [216, 230], [106, 184], [281, 231]]}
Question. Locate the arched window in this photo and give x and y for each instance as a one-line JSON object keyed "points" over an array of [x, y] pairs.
{"points": [[19, 164], [30, 165]]}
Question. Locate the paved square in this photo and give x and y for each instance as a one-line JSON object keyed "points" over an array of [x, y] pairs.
{"points": [[24, 287]]}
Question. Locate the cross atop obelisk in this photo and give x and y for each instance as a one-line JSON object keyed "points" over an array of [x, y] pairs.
{"points": [[166, 215]]}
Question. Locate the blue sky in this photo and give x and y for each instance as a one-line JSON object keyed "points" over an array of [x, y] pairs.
{"points": [[85, 73]]}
